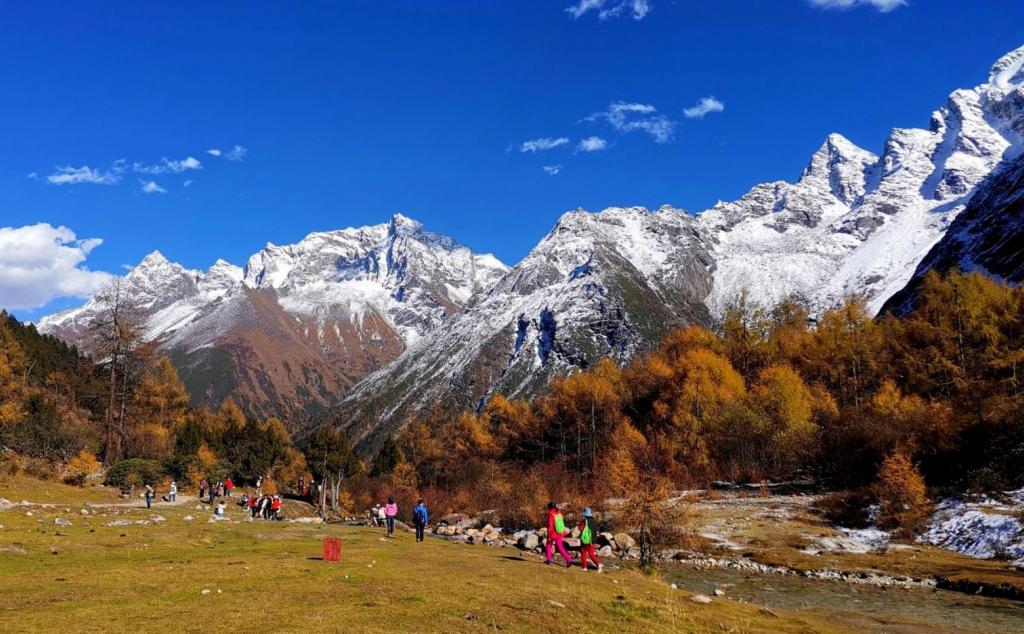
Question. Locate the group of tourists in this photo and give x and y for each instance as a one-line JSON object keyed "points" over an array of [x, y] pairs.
{"points": [[219, 490], [262, 506], [149, 493], [557, 531], [385, 514]]}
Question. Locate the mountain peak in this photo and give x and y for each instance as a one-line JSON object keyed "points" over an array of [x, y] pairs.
{"points": [[837, 167], [404, 224], [153, 258]]}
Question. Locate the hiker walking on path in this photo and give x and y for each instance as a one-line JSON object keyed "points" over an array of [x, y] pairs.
{"points": [[228, 485], [390, 511], [381, 516], [149, 496], [556, 536], [172, 493], [275, 508], [587, 532], [420, 518], [203, 485]]}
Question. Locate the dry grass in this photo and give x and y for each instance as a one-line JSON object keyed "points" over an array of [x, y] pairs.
{"points": [[267, 576]]}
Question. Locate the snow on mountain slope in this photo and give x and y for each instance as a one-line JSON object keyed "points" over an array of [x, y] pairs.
{"points": [[987, 237], [301, 322], [411, 277], [856, 223], [597, 285]]}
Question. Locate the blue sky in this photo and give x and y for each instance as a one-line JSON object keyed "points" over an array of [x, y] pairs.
{"points": [[351, 111]]}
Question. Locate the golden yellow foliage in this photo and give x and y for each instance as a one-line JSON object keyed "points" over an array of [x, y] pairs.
{"points": [[901, 494]]}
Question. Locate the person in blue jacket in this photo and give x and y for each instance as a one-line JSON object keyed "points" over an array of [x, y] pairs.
{"points": [[420, 517]]}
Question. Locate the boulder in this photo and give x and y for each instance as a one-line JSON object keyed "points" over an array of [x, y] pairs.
{"points": [[572, 543], [605, 552], [529, 541], [456, 519], [700, 598], [604, 539], [60, 521], [624, 542]]}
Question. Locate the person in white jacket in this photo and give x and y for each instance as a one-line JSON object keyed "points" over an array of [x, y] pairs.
{"points": [[172, 493]]}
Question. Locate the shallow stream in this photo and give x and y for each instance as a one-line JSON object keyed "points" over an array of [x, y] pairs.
{"points": [[860, 606]]}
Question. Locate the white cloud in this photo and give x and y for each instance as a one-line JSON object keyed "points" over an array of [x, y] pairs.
{"points": [[592, 144], [884, 6], [545, 143], [627, 117], [150, 187], [187, 183], [68, 175], [172, 167], [40, 262], [706, 105], [237, 153], [552, 169], [636, 9]]}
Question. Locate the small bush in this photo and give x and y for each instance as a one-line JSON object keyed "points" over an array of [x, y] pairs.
{"points": [[79, 468], [40, 468], [135, 471], [847, 508], [902, 495]]}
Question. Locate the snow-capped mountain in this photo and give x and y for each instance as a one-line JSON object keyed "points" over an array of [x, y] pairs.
{"points": [[301, 323], [859, 224], [611, 283], [597, 285]]}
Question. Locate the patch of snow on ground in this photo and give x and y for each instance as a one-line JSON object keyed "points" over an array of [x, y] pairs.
{"points": [[851, 540], [978, 528]]}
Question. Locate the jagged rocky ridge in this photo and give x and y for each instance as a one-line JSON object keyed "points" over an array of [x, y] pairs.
{"points": [[612, 283], [294, 329]]}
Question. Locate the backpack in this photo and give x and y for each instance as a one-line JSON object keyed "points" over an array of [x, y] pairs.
{"points": [[559, 524], [418, 515], [586, 536]]}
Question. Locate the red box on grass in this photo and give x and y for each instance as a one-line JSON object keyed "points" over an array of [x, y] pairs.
{"points": [[332, 549]]}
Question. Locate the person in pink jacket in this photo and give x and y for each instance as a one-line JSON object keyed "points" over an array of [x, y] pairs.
{"points": [[390, 511], [556, 536]]}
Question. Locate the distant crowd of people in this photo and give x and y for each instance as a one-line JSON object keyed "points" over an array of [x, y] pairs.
{"points": [[267, 507], [219, 490]]}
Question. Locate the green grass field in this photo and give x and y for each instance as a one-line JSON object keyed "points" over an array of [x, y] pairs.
{"points": [[180, 575]]}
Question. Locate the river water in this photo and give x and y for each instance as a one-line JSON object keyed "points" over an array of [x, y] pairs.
{"points": [[860, 606]]}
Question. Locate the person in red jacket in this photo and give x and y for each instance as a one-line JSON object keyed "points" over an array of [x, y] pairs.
{"points": [[229, 484], [556, 536], [588, 531]]}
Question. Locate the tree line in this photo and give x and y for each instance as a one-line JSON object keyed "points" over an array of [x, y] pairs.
{"points": [[933, 396]]}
